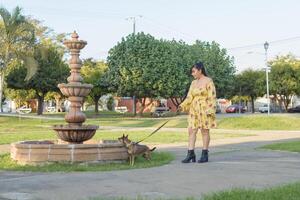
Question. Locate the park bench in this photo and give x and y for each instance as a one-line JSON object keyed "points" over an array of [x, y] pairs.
{"points": [[24, 110], [121, 109], [50, 109]]}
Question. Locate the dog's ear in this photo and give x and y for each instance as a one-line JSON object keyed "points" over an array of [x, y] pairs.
{"points": [[126, 136]]}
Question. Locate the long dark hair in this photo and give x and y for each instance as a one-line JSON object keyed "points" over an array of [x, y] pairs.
{"points": [[200, 66]]}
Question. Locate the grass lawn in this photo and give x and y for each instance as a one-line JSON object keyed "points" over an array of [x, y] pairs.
{"points": [[261, 122], [293, 146], [14, 129], [158, 159], [285, 192], [248, 122]]}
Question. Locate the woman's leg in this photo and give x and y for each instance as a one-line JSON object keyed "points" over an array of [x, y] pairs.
{"points": [[205, 138], [192, 138], [191, 156]]}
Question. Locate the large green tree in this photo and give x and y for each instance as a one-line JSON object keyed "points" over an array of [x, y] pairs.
{"points": [[285, 79], [16, 40], [51, 71], [250, 83], [94, 72], [145, 67]]}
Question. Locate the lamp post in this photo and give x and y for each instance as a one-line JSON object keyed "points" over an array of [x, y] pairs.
{"points": [[266, 46]]}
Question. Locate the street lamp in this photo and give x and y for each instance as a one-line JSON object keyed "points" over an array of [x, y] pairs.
{"points": [[266, 46]]}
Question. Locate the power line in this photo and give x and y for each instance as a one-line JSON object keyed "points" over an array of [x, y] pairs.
{"points": [[261, 44], [154, 22]]}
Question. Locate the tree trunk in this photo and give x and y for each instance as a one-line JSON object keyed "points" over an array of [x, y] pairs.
{"points": [[96, 101], [176, 103], [286, 101], [1, 89], [40, 104], [142, 102], [143, 105], [252, 104], [134, 105]]}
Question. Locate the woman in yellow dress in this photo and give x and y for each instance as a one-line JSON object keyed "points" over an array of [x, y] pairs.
{"points": [[200, 104]]}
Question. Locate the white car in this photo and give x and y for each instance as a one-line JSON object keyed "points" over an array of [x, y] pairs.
{"points": [[263, 109]]}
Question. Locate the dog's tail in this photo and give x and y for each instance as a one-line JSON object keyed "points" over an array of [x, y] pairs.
{"points": [[153, 149]]}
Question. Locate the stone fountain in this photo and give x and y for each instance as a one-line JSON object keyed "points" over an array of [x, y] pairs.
{"points": [[75, 90], [75, 133]]}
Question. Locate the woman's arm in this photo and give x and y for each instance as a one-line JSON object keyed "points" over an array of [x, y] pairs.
{"points": [[185, 105], [211, 98]]}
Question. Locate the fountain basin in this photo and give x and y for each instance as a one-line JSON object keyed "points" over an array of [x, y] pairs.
{"points": [[75, 89], [74, 133], [42, 152], [75, 44]]}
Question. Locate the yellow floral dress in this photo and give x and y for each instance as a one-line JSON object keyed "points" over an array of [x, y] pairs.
{"points": [[200, 103]]}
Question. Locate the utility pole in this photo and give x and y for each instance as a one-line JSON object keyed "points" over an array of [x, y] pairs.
{"points": [[266, 46], [240, 100], [133, 18]]}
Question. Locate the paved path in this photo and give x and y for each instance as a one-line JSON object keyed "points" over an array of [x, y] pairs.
{"points": [[233, 163]]}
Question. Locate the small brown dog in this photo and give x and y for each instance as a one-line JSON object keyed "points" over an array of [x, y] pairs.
{"points": [[135, 149]]}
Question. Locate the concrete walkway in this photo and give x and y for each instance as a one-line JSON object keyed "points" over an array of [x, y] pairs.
{"points": [[233, 162]]}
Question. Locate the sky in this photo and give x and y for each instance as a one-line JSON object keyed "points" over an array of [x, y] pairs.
{"points": [[239, 26]]}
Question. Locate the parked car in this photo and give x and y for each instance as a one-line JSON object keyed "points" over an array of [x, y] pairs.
{"points": [[294, 110], [235, 109], [264, 108]]}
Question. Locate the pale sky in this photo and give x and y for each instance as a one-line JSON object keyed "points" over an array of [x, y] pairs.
{"points": [[231, 23]]}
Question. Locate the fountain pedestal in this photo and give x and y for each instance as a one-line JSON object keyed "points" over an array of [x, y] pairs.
{"points": [[75, 132]]}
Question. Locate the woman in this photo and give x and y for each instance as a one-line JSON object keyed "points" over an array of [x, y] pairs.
{"points": [[200, 103]]}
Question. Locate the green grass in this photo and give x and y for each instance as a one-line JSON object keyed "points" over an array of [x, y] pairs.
{"points": [[261, 122], [293, 146], [285, 192], [111, 114], [17, 129], [161, 137], [158, 159], [14, 129], [248, 122]]}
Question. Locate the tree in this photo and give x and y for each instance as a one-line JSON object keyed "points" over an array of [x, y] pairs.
{"points": [[51, 71], [145, 67], [20, 96], [94, 72], [218, 63], [249, 83], [284, 78], [179, 78], [16, 39], [133, 67]]}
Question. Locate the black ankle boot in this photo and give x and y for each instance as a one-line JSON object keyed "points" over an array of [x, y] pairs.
{"points": [[191, 156], [204, 156]]}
